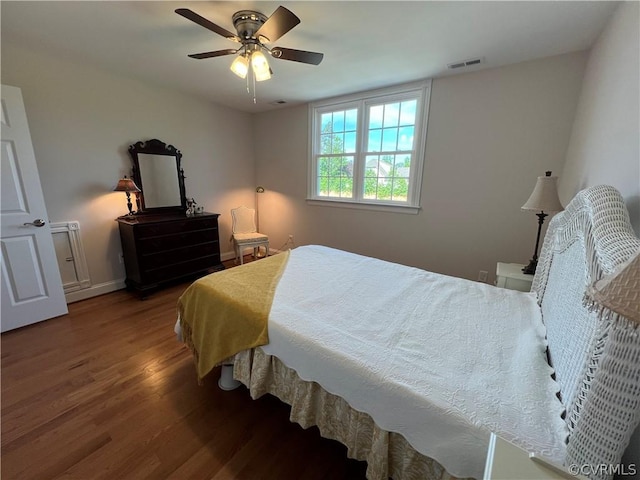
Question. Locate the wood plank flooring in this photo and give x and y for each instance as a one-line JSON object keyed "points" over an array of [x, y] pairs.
{"points": [[106, 392]]}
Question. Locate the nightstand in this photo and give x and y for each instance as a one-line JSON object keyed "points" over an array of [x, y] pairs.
{"points": [[506, 461], [509, 275]]}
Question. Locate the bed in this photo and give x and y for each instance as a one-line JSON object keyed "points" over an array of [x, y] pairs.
{"points": [[412, 370]]}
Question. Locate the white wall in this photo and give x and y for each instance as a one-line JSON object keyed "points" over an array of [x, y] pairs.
{"points": [[490, 134], [605, 141], [82, 121]]}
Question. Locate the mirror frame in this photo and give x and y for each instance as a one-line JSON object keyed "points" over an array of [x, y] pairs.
{"points": [[157, 147]]}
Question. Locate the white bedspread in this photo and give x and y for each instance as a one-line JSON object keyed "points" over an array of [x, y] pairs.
{"points": [[441, 360]]}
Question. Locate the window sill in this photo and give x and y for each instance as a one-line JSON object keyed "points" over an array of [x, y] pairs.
{"points": [[380, 207]]}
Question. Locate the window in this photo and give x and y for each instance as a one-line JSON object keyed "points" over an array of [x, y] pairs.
{"points": [[367, 150]]}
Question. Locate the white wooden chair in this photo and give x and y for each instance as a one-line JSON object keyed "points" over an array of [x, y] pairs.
{"points": [[245, 234]]}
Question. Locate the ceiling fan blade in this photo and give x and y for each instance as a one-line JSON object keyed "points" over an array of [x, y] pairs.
{"points": [[217, 53], [279, 23], [203, 22], [301, 56]]}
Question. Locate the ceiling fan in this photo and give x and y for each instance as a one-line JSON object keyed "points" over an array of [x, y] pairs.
{"points": [[254, 31]]}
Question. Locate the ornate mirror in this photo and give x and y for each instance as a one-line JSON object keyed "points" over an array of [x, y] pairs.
{"points": [[157, 172]]}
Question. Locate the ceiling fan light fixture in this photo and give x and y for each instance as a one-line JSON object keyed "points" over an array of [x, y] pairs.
{"points": [[260, 66], [254, 31], [240, 66]]}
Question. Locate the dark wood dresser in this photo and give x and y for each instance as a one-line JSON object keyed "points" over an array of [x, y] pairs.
{"points": [[160, 248]]}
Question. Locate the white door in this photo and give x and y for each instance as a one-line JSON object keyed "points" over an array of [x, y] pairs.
{"points": [[31, 286]]}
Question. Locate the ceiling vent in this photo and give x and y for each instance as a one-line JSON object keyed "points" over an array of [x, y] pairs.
{"points": [[465, 63]]}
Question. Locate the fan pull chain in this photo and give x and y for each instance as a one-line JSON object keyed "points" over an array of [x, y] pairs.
{"points": [[254, 88]]}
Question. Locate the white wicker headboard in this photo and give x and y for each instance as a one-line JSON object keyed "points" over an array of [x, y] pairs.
{"points": [[596, 357]]}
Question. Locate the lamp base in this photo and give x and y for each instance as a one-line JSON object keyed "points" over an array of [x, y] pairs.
{"points": [[531, 268]]}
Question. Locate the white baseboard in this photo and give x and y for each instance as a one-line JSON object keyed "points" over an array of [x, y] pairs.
{"points": [[94, 291], [227, 256], [231, 255], [108, 287]]}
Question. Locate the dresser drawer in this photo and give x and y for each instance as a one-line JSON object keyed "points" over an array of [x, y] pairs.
{"points": [[170, 272], [182, 226], [176, 241], [166, 258]]}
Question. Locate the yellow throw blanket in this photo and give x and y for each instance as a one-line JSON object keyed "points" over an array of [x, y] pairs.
{"points": [[226, 312]]}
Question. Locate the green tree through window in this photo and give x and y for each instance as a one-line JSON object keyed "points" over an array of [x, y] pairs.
{"points": [[368, 148], [335, 167]]}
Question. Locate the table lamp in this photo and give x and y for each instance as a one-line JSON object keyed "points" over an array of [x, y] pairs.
{"points": [[544, 199], [128, 186]]}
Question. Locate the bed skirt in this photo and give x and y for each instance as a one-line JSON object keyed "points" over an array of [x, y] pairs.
{"points": [[388, 454]]}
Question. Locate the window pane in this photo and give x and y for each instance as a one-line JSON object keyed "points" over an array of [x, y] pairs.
{"points": [[338, 143], [389, 139], [375, 116], [403, 165], [377, 185], [405, 138], [384, 189], [323, 186], [400, 189], [351, 120], [332, 143], [344, 167], [326, 122], [338, 134], [338, 121], [350, 142], [408, 112], [375, 140], [325, 143], [323, 166], [372, 161], [335, 177], [387, 177], [347, 168], [391, 114], [334, 186], [371, 177], [346, 187], [370, 184]]}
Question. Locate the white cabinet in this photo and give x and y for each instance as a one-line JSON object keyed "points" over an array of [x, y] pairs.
{"points": [[506, 461], [509, 275]]}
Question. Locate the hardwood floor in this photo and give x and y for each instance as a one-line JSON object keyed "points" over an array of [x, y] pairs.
{"points": [[106, 392]]}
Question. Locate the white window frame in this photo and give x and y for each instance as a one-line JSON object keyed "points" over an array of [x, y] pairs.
{"points": [[419, 90]]}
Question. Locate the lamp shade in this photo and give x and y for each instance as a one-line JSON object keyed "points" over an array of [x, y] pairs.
{"points": [[620, 291], [240, 66], [260, 66], [126, 185], [545, 195]]}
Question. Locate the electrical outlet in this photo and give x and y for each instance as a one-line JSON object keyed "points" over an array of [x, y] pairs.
{"points": [[482, 276]]}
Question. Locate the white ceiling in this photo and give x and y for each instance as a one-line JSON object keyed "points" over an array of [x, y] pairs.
{"points": [[365, 44]]}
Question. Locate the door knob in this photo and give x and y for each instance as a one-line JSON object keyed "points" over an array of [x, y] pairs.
{"points": [[38, 222]]}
